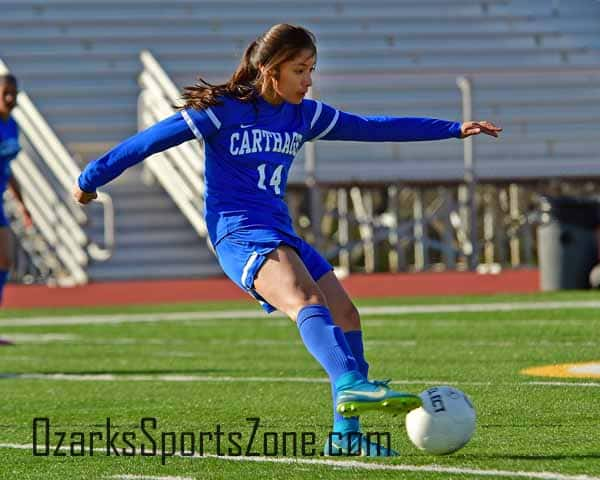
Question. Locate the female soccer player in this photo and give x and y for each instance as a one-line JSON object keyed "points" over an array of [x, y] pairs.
{"points": [[252, 127], [9, 148]]}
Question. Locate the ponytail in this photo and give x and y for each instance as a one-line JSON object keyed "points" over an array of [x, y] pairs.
{"points": [[279, 44], [241, 85]]}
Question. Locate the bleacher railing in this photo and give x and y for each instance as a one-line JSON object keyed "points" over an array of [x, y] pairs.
{"points": [[56, 242], [180, 170]]}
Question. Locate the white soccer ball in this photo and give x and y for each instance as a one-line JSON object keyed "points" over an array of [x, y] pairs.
{"points": [[444, 423]]}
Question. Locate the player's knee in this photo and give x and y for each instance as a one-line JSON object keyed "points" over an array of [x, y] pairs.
{"points": [[304, 300], [315, 298]]}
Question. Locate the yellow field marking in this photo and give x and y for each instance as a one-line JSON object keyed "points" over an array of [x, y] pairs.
{"points": [[567, 370]]}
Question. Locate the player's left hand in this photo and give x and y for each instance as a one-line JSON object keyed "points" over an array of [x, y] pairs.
{"points": [[468, 129], [82, 197]]}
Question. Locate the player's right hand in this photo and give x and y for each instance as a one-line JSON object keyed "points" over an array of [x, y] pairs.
{"points": [[83, 197]]}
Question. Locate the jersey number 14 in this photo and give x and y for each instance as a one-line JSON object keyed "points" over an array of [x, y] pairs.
{"points": [[275, 178]]}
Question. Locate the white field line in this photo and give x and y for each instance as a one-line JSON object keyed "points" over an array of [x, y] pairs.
{"points": [[45, 338], [263, 342], [480, 307], [564, 384], [131, 318], [356, 465], [109, 377], [243, 314], [18, 337]]}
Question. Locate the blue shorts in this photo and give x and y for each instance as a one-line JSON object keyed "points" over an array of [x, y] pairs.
{"points": [[242, 253]]}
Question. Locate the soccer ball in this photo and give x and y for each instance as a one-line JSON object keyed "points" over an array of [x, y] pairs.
{"points": [[444, 423]]}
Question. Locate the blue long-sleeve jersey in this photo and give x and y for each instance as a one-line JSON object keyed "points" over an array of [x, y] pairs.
{"points": [[9, 149], [249, 148]]}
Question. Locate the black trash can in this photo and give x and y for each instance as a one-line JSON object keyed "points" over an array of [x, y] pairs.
{"points": [[567, 242]]}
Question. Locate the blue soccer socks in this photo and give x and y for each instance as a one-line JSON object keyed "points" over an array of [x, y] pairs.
{"points": [[343, 424], [326, 341], [355, 341]]}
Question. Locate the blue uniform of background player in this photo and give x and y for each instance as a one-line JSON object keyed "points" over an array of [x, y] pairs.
{"points": [[252, 127], [9, 149]]}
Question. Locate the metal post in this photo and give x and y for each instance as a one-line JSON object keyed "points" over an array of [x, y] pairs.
{"points": [[470, 178], [449, 254], [489, 230], [393, 254], [503, 234], [343, 228], [310, 169], [515, 214], [369, 240], [421, 261]]}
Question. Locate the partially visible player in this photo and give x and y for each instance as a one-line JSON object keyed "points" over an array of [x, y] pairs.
{"points": [[9, 148], [252, 127]]}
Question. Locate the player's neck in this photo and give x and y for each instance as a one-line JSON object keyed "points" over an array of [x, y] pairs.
{"points": [[272, 97], [4, 116]]}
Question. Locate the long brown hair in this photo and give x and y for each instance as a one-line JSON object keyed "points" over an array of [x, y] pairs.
{"points": [[279, 44]]}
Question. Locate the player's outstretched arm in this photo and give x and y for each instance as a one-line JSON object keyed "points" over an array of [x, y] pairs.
{"points": [[165, 134], [331, 124]]}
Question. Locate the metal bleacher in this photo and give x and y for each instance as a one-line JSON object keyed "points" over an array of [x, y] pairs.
{"points": [[80, 60], [549, 121], [534, 66]]}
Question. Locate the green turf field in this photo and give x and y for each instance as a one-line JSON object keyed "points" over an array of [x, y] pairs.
{"points": [[200, 369]]}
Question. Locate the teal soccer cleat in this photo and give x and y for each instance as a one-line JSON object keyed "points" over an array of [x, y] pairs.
{"points": [[361, 396], [355, 444]]}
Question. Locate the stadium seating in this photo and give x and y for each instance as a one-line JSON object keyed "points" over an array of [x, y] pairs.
{"points": [[79, 60], [153, 239], [534, 65]]}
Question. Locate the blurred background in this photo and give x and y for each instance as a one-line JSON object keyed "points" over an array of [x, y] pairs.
{"points": [[92, 73]]}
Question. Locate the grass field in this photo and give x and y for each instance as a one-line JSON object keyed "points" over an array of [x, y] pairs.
{"points": [[204, 368]]}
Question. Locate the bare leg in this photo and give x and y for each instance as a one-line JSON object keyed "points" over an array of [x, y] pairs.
{"points": [[285, 283], [343, 310]]}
